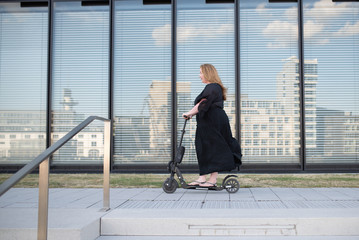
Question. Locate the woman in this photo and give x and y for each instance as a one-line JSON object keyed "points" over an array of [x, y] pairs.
{"points": [[216, 149]]}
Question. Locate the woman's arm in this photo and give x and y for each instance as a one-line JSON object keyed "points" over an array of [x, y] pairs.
{"points": [[193, 111]]}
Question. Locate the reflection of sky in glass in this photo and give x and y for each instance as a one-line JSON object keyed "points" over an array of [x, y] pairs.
{"points": [[23, 58], [331, 36], [81, 57], [264, 44], [142, 54]]}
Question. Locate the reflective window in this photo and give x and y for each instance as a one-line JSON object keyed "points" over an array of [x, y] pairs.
{"points": [[142, 82], [23, 81], [205, 34], [331, 40], [80, 77], [269, 80], [141, 93]]}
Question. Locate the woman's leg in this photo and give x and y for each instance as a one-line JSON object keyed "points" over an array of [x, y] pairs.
{"points": [[212, 180]]}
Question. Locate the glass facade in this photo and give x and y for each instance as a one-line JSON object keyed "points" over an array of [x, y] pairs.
{"points": [[331, 40], [79, 78], [142, 83], [23, 82], [291, 70], [269, 82]]}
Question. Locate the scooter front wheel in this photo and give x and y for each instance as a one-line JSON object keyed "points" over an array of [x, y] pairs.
{"points": [[170, 186]]}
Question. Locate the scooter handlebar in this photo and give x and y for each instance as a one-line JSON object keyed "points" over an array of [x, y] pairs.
{"points": [[186, 117]]}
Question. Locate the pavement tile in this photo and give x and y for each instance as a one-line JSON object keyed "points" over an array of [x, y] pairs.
{"points": [[310, 194], [334, 194], [264, 194], [287, 194]]}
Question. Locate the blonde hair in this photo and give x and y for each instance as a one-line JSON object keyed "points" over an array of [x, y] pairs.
{"points": [[211, 75]]}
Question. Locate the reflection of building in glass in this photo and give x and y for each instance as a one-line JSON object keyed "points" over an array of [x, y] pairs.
{"points": [[131, 137], [351, 135], [268, 131], [271, 128], [310, 87], [160, 111], [68, 102], [87, 145], [23, 135], [230, 108], [338, 133], [147, 139]]}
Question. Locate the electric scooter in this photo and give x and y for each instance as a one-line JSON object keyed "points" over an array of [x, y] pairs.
{"points": [[230, 183]]}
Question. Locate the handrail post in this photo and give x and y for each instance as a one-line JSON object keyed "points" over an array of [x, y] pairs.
{"points": [[43, 209], [106, 166]]}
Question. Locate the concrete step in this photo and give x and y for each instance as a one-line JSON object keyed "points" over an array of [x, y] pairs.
{"points": [[230, 222], [148, 214], [69, 224], [184, 224], [228, 238]]}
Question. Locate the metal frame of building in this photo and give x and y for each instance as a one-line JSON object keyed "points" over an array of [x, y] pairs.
{"points": [[301, 167]]}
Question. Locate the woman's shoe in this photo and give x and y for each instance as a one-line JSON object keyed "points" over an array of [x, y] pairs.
{"points": [[195, 184], [208, 184]]}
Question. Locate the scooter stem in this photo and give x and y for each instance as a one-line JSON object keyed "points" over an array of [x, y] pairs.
{"points": [[183, 131]]}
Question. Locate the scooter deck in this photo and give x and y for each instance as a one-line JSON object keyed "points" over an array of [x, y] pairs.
{"points": [[214, 188]]}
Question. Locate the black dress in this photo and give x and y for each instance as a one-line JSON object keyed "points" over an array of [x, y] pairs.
{"points": [[216, 149]]}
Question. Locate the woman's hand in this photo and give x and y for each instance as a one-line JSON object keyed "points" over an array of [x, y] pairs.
{"points": [[187, 116]]}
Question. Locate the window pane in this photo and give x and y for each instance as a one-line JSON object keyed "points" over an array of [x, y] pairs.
{"points": [[205, 34], [331, 33], [142, 83], [80, 78], [23, 81], [269, 81]]}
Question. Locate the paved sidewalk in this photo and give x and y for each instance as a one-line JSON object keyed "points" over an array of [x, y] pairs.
{"points": [[246, 198]]}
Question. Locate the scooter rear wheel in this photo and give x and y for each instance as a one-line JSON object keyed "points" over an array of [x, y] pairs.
{"points": [[170, 186], [231, 185]]}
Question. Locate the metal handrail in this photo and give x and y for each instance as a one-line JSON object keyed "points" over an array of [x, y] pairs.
{"points": [[42, 161]]}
